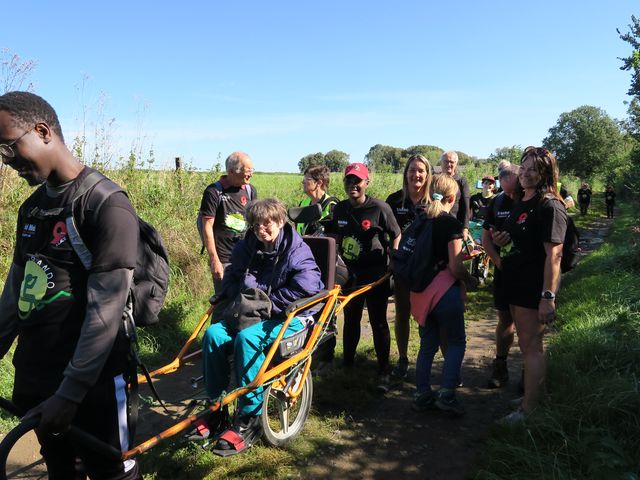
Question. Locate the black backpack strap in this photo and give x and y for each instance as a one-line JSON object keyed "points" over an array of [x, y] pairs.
{"points": [[99, 189]]}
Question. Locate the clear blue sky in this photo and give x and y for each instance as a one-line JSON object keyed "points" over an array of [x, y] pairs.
{"points": [[282, 79]]}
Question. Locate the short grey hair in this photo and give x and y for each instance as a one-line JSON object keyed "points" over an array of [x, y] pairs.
{"points": [[233, 163], [265, 209], [451, 153], [503, 164]]}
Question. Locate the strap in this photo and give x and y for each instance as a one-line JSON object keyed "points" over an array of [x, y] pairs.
{"points": [[97, 196], [233, 438], [131, 333]]}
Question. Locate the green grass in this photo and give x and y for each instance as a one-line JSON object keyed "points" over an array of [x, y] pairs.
{"points": [[589, 425]]}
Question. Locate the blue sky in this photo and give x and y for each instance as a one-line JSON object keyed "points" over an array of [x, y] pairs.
{"points": [[283, 79]]}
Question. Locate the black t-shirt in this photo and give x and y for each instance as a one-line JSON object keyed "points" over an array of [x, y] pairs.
{"points": [[226, 205], [52, 301], [460, 208], [610, 197], [404, 212], [479, 205], [364, 234], [584, 195], [530, 224], [497, 211], [445, 228]]}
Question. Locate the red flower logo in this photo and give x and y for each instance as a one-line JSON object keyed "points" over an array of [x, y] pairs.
{"points": [[243, 200], [366, 224], [522, 218]]}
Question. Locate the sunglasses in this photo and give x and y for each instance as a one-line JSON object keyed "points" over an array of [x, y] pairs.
{"points": [[540, 151]]}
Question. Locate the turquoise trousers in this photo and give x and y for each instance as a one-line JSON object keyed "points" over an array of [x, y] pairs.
{"points": [[248, 347]]}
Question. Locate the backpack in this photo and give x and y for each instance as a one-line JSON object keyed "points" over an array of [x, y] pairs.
{"points": [[151, 274], [200, 223], [570, 247], [417, 270]]}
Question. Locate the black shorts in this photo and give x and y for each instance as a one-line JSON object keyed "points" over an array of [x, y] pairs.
{"points": [[500, 299], [523, 284]]}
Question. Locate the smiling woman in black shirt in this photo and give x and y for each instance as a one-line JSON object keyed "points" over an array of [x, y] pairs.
{"points": [[537, 225], [404, 203], [365, 229]]}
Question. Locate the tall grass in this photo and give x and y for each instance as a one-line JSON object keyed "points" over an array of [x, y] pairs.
{"points": [[589, 425]]}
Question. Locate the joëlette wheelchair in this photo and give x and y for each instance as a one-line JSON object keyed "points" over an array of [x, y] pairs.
{"points": [[285, 373]]}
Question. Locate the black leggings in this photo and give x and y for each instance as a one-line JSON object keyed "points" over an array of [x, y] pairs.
{"points": [[377, 300], [609, 210]]}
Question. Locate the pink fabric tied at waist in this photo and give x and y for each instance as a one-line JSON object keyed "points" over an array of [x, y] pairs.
{"points": [[423, 302]]}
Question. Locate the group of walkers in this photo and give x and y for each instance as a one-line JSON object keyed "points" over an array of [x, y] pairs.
{"points": [[523, 232], [72, 361]]}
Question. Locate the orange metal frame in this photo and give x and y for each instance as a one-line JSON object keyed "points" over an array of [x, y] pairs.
{"points": [[335, 303]]}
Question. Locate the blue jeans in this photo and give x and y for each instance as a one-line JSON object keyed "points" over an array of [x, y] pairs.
{"points": [[248, 348], [448, 315]]}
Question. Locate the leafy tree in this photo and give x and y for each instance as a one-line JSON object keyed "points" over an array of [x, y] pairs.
{"points": [[512, 154], [630, 171], [336, 160], [384, 158], [430, 152], [310, 160], [586, 141]]}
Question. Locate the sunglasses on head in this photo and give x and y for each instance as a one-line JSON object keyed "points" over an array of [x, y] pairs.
{"points": [[540, 151]]}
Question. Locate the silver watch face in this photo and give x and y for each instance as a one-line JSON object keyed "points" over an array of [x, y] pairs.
{"points": [[548, 295]]}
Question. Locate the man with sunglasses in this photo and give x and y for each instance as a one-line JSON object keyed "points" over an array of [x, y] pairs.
{"points": [[222, 213], [71, 358]]}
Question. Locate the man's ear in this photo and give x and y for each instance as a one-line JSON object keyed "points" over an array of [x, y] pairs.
{"points": [[44, 131]]}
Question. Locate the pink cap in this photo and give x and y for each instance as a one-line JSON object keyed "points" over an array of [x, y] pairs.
{"points": [[360, 170]]}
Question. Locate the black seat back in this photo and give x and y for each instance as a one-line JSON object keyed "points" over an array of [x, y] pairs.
{"points": [[324, 251]]}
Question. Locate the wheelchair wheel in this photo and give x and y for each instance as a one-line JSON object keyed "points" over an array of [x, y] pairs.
{"points": [[20, 453], [283, 417]]}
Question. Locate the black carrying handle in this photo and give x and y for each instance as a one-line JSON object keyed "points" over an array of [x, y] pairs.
{"points": [[25, 426]]}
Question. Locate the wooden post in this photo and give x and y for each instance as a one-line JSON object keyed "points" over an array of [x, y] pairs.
{"points": [[178, 164]]}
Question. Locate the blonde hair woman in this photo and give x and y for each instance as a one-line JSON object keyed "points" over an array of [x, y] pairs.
{"points": [[441, 305], [405, 203]]}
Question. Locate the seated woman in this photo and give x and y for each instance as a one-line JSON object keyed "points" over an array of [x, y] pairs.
{"points": [[315, 184], [272, 257]]}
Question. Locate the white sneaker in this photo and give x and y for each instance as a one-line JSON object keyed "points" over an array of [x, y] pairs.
{"points": [[517, 417]]}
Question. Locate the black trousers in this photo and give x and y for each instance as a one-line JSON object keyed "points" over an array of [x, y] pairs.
{"points": [[377, 300], [103, 413]]}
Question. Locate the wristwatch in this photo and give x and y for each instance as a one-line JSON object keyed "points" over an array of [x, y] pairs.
{"points": [[548, 295]]}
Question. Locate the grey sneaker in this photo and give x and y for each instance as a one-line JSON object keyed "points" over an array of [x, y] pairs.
{"points": [[499, 374], [401, 368], [447, 402], [423, 402], [383, 383]]}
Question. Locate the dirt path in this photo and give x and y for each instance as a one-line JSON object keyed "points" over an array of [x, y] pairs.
{"points": [[388, 440], [391, 441]]}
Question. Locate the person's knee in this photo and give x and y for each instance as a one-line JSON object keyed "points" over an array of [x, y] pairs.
{"points": [[213, 338]]}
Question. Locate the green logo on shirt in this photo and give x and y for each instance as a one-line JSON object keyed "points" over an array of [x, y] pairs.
{"points": [[235, 222], [351, 248], [37, 278]]}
